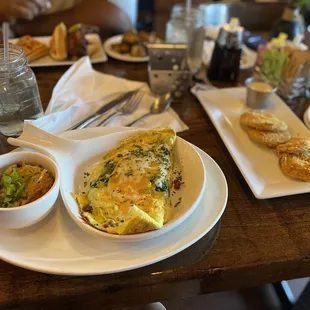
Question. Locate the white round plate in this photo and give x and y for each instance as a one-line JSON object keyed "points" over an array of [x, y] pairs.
{"points": [[123, 57], [306, 119], [56, 245], [248, 56]]}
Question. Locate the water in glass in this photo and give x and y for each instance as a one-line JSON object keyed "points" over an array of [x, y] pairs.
{"points": [[19, 95]]}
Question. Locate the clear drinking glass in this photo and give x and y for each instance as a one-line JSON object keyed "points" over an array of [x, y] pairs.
{"points": [[19, 94], [293, 83], [187, 26]]}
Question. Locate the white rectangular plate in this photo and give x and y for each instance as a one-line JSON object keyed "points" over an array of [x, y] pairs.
{"points": [[47, 61], [258, 164]]}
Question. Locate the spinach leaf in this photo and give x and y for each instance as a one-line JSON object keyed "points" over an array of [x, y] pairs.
{"points": [[105, 176], [163, 188]]}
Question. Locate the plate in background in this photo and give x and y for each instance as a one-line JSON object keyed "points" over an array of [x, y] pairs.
{"points": [[123, 57], [46, 61]]}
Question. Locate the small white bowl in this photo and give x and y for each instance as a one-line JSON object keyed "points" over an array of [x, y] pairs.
{"points": [[31, 213]]}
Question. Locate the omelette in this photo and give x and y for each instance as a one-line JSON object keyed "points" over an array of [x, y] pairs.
{"points": [[128, 191]]}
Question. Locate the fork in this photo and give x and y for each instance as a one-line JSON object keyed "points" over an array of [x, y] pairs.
{"points": [[126, 108]]}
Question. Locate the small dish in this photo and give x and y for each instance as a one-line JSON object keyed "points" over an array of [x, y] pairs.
{"points": [[123, 57], [31, 213], [258, 93]]}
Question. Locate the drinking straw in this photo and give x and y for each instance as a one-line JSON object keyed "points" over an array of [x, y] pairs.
{"points": [[188, 7], [5, 30]]}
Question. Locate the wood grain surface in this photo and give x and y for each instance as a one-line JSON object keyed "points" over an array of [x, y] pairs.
{"points": [[257, 241]]}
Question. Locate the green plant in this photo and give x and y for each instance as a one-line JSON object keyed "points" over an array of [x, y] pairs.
{"points": [[298, 3]]}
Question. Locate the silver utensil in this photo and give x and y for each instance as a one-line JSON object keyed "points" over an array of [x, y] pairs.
{"points": [[118, 100], [160, 105], [126, 108]]}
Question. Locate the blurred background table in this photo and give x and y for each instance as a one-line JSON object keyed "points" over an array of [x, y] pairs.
{"points": [[257, 241]]}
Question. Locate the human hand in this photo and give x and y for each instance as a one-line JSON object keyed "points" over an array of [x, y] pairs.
{"points": [[25, 9]]}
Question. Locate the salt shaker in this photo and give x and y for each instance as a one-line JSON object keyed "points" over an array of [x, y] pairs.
{"points": [[225, 62]]}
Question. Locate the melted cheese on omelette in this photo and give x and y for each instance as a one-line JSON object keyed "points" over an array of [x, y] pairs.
{"points": [[129, 190]]}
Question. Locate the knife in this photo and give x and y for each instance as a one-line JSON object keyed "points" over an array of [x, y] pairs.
{"points": [[113, 103]]}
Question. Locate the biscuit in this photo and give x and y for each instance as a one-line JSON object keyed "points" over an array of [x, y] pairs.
{"points": [[262, 121], [296, 145], [269, 138], [297, 167]]}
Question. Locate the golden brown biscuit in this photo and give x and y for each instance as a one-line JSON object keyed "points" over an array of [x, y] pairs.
{"points": [[297, 167], [262, 121], [130, 37], [144, 36], [296, 145], [138, 50], [121, 48], [269, 138]]}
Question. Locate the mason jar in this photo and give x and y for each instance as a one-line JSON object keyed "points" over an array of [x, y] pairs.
{"points": [[19, 94], [187, 26]]}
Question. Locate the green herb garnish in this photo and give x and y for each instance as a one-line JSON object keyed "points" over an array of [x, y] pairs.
{"points": [[12, 190]]}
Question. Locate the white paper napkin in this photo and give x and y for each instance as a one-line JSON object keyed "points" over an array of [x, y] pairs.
{"points": [[81, 91]]}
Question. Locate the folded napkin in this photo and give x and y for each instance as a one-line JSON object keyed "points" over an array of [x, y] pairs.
{"points": [[81, 91]]}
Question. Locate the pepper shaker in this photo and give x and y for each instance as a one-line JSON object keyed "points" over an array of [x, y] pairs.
{"points": [[225, 62]]}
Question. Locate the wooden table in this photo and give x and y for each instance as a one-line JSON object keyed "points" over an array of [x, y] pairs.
{"points": [[257, 241]]}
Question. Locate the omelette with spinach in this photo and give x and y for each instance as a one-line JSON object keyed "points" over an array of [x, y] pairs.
{"points": [[128, 192]]}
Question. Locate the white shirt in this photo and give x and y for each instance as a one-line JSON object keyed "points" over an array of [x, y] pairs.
{"points": [[130, 7], [61, 5]]}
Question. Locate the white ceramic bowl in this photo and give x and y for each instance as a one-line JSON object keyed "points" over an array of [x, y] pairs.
{"points": [[89, 152], [33, 212]]}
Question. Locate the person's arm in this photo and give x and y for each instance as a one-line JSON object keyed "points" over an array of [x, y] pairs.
{"points": [[104, 14], [27, 9]]}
